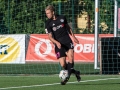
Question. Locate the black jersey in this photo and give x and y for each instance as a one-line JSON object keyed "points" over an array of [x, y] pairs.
{"points": [[58, 28]]}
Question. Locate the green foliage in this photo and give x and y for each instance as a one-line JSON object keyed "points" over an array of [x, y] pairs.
{"points": [[23, 16], [28, 16], [107, 15]]}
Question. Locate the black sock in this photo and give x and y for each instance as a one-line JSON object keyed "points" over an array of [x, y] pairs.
{"points": [[70, 68], [66, 66], [73, 70], [73, 64]]}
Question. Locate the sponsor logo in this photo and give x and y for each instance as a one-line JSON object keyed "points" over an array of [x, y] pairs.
{"points": [[9, 49], [85, 48], [40, 46], [61, 20], [58, 27], [72, 45], [47, 48], [53, 24], [58, 54], [54, 29], [3, 49]]}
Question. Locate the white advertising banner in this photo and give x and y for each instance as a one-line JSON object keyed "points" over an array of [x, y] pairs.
{"points": [[12, 49]]}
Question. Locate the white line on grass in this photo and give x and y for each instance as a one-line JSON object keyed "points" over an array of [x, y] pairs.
{"points": [[56, 83]]}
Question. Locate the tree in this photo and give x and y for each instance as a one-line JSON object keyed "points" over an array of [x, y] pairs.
{"points": [[24, 16], [28, 16]]}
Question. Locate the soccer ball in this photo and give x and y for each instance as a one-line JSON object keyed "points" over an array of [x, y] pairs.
{"points": [[63, 74]]}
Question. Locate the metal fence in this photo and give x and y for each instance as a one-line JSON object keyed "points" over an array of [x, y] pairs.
{"points": [[28, 16]]}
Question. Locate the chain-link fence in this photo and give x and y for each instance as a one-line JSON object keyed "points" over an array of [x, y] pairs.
{"points": [[28, 16]]}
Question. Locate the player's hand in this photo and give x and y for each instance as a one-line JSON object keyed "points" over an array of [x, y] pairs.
{"points": [[58, 45]]}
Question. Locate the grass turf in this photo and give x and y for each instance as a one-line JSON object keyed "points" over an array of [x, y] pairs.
{"points": [[52, 82]]}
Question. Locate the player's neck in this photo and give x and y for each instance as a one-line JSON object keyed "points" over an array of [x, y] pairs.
{"points": [[54, 17]]}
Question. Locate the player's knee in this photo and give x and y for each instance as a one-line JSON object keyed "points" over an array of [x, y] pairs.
{"points": [[63, 65], [71, 60]]}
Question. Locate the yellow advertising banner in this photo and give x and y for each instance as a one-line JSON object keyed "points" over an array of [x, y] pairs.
{"points": [[12, 49]]}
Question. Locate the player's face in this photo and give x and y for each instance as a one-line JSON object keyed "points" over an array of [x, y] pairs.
{"points": [[49, 14]]}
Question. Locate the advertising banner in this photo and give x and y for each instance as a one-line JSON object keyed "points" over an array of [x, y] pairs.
{"points": [[118, 18], [40, 48], [12, 49]]}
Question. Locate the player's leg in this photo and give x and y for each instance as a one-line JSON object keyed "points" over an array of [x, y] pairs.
{"points": [[62, 61], [70, 60], [70, 66], [61, 56]]}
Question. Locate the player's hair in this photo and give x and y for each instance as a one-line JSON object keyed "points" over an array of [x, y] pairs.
{"points": [[50, 7]]}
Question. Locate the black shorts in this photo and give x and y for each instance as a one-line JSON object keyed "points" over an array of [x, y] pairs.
{"points": [[64, 48]]}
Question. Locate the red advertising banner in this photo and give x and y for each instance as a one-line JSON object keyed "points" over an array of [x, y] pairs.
{"points": [[118, 18], [40, 48]]}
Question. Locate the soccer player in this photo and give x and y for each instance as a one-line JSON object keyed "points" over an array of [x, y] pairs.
{"points": [[58, 32]]}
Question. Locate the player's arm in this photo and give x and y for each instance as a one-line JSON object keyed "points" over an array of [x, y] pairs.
{"points": [[70, 31], [68, 28], [48, 31], [53, 40], [73, 36]]}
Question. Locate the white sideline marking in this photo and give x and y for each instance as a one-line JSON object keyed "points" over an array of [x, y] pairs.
{"points": [[56, 83]]}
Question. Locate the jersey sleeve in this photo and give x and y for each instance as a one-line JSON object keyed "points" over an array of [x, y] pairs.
{"points": [[65, 20], [47, 27], [66, 24]]}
